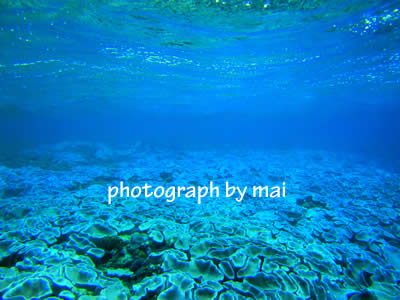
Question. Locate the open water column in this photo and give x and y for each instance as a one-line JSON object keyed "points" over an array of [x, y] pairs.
{"points": [[199, 149]]}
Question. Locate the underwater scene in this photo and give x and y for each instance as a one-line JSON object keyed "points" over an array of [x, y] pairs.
{"points": [[199, 149]]}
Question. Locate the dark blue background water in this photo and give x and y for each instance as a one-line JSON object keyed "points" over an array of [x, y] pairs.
{"points": [[320, 84]]}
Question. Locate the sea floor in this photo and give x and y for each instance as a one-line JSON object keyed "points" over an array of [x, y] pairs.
{"points": [[334, 236]]}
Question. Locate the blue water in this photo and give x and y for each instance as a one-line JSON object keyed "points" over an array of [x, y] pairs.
{"points": [[179, 93]]}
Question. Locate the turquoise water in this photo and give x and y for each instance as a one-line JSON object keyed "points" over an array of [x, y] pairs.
{"points": [[299, 96]]}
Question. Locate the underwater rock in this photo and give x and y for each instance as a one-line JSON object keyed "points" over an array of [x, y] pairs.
{"points": [[87, 297], [148, 286], [50, 236], [385, 290], [115, 292], [227, 270], [205, 293], [205, 269], [308, 202], [144, 226], [182, 280], [56, 273], [99, 231], [11, 192], [269, 267], [244, 288], [315, 189], [293, 217], [366, 295], [305, 287], [200, 249], [96, 253], [392, 255], [357, 266], [30, 288], [182, 243], [251, 268], [81, 275], [173, 263], [17, 212], [119, 273], [325, 267], [166, 177], [197, 268], [27, 265], [156, 236], [287, 259], [8, 275], [287, 281], [265, 282], [173, 292], [230, 295], [239, 259], [67, 295], [167, 254], [79, 244], [222, 253]]}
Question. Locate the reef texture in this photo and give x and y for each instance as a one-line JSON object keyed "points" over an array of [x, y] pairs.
{"points": [[334, 236]]}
